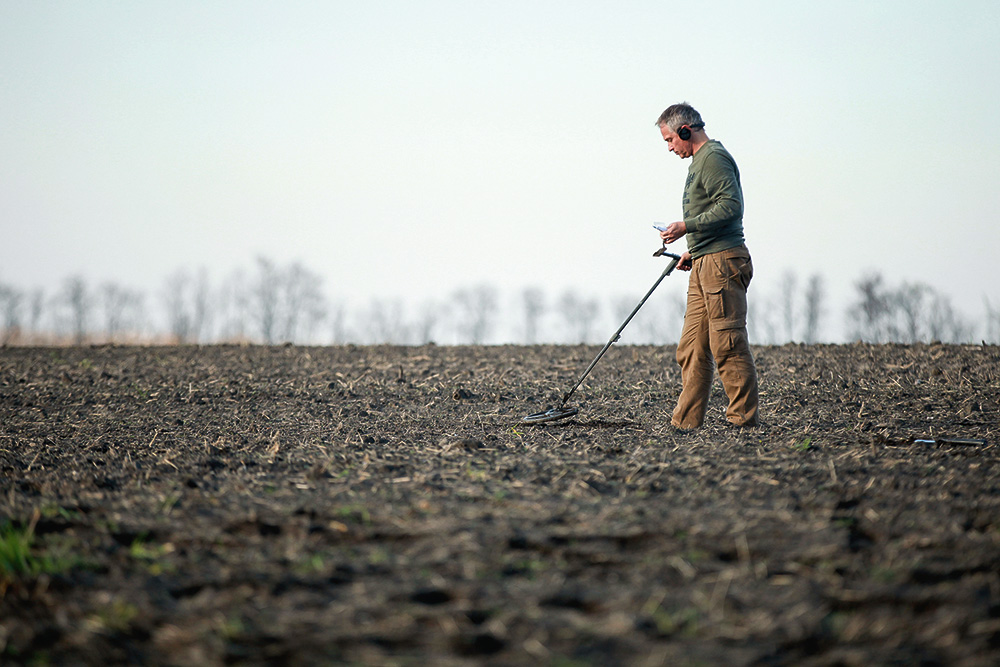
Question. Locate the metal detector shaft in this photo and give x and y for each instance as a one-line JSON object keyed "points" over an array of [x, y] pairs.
{"points": [[674, 259]]}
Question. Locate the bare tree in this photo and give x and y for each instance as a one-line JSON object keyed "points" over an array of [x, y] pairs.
{"points": [[233, 307], [786, 304], [944, 323], [178, 317], [11, 301], [284, 304], [428, 317], [814, 308], [73, 304], [475, 309], [121, 308], [186, 298], [578, 314], [533, 304], [36, 306], [992, 334], [872, 312], [908, 304], [112, 301], [303, 306], [265, 299], [770, 313], [201, 306], [911, 313], [338, 323], [386, 323]]}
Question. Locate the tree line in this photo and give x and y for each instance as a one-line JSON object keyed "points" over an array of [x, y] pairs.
{"points": [[273, 303]]}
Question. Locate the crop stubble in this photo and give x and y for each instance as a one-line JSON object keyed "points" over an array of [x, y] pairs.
{"points": [[233, 504]]}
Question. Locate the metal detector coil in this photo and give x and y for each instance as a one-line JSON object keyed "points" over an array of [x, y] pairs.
{"points": [[562, 412], [550, 415]]}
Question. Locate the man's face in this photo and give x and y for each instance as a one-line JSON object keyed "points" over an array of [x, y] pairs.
{"points": [[677, 146]]}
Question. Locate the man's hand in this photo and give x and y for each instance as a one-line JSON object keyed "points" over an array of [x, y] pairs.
{"points": [[674, 231], [684, 264]]}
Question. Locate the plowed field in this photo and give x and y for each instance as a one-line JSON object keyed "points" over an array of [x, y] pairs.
{"points": [[385, 505]]}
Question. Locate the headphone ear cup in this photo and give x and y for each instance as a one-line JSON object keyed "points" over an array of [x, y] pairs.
{"points": [[684, 133]]}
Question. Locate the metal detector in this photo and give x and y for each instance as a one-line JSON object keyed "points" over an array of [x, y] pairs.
{"points": [[562, 412]]}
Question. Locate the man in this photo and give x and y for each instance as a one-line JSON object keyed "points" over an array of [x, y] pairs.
{"points": [[715, 321]]}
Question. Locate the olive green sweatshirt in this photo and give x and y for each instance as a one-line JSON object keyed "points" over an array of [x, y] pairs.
{"points": [[713, 201]]}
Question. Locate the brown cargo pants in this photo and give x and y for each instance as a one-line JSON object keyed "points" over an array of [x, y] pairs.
{"points": [[715, 334]]}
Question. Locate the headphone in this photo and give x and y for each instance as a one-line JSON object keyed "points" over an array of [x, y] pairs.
{"points": [[684, 131]]}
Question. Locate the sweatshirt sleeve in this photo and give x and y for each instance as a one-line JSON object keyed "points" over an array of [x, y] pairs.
{"points": [[720, 181]]}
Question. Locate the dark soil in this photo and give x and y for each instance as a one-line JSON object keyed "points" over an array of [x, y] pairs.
{"points": [[384, 505]]}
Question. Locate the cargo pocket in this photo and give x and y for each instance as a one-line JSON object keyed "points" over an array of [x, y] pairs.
{"points": [[726, 290]]}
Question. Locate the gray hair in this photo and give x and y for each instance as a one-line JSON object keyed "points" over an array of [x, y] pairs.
{"points": [[679, 115]]}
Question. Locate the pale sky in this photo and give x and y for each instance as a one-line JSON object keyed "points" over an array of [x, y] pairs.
{"points": [[408, 149]]}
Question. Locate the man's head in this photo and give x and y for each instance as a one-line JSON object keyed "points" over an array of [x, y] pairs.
{"points": [[683, 129]]}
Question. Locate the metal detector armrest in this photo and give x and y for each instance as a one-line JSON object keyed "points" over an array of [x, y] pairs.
{"points": [[662, 252]]}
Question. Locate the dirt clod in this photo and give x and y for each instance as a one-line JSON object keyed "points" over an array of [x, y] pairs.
{"points": [[386, 505]]}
